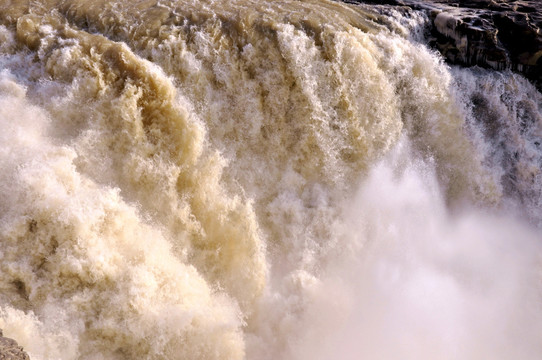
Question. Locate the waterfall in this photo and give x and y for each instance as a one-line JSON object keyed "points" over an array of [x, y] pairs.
{"points": [[253, 179]]}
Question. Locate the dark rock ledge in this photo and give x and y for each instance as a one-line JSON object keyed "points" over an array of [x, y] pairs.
{"points": [[10, 350], [498, 34]]}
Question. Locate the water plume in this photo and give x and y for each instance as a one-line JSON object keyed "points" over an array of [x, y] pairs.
{"points": [[261, 180]]}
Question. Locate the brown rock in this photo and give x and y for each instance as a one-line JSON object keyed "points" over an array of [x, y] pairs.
{"points": [[498, 34], [10, 350]]}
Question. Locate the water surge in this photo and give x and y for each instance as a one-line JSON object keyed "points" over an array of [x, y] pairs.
{"points": [[261, 180]]}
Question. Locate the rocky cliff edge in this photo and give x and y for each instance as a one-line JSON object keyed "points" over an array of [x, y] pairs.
{"points": [[10, 350], [498, 34]]}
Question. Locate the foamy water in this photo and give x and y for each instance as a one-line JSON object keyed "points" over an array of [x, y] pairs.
{"points": [[261, 180]]}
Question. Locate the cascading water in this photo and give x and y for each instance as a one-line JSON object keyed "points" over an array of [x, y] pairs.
{"points": [[262, 180]]}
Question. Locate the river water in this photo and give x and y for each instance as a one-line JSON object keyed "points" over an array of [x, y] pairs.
{"points": [[261, 180]]}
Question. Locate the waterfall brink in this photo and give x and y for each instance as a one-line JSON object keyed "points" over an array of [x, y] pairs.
{"points": [[261, 180]]}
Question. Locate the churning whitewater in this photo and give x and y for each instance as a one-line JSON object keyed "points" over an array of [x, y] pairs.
{"points": [[263, 180]]}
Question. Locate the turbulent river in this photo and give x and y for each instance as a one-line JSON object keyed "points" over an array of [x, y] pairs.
{"points": [[262, 180]]}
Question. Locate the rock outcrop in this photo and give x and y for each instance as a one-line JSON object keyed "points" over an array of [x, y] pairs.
{"points": [[10, 350], [498, 34]]}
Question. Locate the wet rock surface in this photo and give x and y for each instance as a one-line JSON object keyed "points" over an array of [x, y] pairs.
{"points": [[498, 34], [10, 350]]}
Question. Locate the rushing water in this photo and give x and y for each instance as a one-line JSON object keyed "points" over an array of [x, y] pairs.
{"points": [[204, 179]]}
